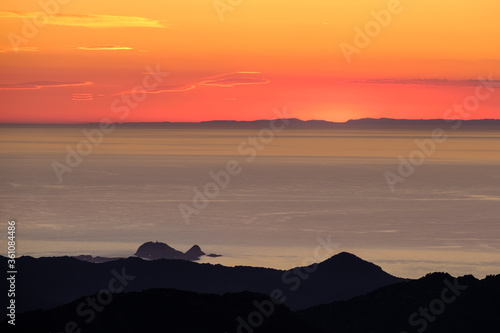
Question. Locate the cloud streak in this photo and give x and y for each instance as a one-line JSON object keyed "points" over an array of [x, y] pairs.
{"points": [[21, 49], [428, 82], [82, 97], [104, 48], [233, 81], [164, 89], [42, 84], [227, 80], [90, 20]]}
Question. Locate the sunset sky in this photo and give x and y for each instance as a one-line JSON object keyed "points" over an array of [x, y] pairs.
{"points": [[240, 59]]}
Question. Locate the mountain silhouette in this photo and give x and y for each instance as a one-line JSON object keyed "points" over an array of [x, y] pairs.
{"points": [[167, 310], [436, 303], [48, 282], [294, 123]]}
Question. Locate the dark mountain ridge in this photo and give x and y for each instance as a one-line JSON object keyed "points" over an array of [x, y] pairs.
{"points": [[436, 303], [166, 310], [49, 282]]}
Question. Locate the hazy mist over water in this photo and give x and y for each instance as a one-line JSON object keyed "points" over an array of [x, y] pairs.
{"points": [[303, 185]]}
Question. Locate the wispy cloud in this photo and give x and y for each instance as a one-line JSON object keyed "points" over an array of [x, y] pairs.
{"points": [[86, 48], [104, 48], [20, 49], [221, 80], [6, 14], [82, 97], [90, 20], [42, 84], [163, 89], [431, 82], [228, 80], [233, 81]]}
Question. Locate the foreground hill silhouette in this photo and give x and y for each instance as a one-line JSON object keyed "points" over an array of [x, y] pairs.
{"points": [[470, 306], [167, 310], [464, 305], [49, 282]]}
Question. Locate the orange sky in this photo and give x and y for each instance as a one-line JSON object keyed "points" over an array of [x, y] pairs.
{"points": [[240, 61]]}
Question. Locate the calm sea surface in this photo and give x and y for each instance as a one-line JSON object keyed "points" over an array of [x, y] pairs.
{"points": [[300, 187]]}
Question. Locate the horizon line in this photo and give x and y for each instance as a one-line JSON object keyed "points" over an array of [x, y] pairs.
{"points": [[245, 121]]}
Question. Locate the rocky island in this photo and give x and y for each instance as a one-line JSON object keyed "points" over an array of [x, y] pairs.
{"points": [[155, 250]]}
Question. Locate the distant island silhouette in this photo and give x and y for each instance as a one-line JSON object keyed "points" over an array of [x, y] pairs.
{"points": [[294, 123], [153, 251], [158, 250]]}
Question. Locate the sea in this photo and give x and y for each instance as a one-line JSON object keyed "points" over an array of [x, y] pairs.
{"points": [[412, 201]]}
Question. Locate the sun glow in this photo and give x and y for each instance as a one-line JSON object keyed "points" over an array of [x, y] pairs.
{"points": [[256, 57]]}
